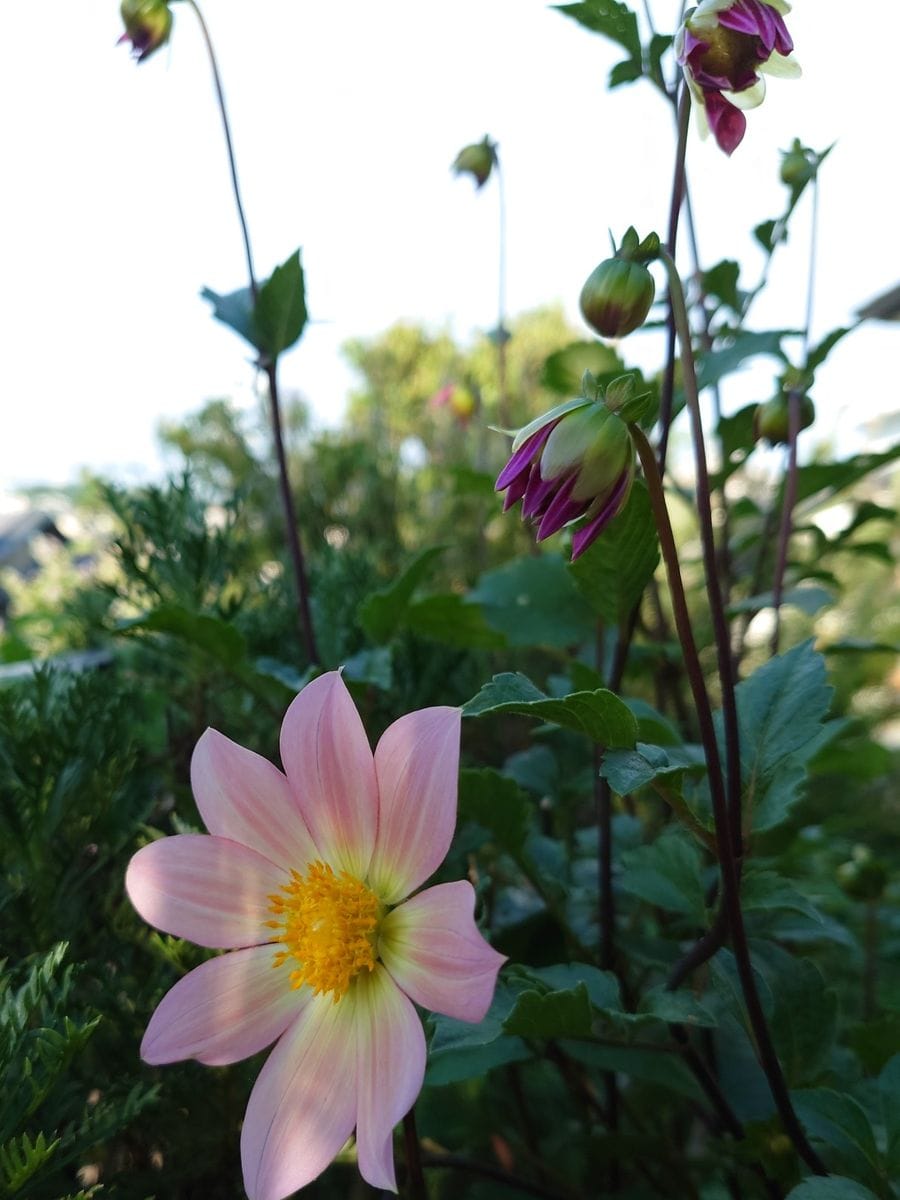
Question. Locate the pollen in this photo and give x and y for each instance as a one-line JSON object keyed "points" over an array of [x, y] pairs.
{"points": [[328, 927]]}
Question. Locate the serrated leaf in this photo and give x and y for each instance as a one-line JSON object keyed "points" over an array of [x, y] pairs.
{"points": [[781, 710], [599, 714], [564, 369], [803, 1017], [280, 312], [382, 613], [551, 1014], [613, 573], [496, 803], [628, 770], [533, 601], [462, 1050], [821, 350], [833, 477], [809, 599], [840, 1123], [668, 873]]}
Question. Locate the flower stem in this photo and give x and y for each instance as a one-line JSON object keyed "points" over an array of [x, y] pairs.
{"points": [[683, 109], [721, 631], [795, 397], [724, 840], [415, 1180], [295, 549]]}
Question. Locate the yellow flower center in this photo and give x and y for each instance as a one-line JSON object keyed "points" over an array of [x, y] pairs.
{"points": [[328, 925], [731, 53]]}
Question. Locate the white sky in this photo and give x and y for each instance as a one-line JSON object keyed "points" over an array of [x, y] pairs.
{"points": [[115, 206]]}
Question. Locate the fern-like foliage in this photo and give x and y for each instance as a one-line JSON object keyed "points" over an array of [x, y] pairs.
{"points": [[48, 1118]]}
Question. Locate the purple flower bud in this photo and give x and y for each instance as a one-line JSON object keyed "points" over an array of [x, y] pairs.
{"points": [[576, 461], [148, 24], [723, 46]]}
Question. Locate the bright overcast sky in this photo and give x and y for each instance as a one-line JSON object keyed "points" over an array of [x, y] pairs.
{"points": [[116, 209]]}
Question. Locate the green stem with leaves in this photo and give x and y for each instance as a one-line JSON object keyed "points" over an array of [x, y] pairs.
{"points": [[270, 368]]}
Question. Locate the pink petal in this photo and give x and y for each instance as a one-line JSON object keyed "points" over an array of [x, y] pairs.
{"points": [[434, 951], [417, 766], [589, 533], [303, 1105], [561, 510], [727, 122], [390, 1070], [521, 459], [243, 797], [329, 766], [207, 889], [224, 1010]]}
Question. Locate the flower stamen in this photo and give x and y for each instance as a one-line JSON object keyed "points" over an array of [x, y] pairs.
{"points": [[328, 925]]}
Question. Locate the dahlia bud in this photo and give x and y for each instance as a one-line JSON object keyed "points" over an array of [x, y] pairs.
{"points": [[618, 293], [863, 877], [723, 45], [477, 160], [772, 419], [575, 461], [798, 166], [148, 24]]}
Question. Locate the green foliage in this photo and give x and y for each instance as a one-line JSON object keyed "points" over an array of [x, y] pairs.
{"points": [[613, 573], [599, 714], [275, 321]]}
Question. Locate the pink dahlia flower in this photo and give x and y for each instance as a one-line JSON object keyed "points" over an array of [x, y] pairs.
{"points": [[307, 878], [723, 45]]}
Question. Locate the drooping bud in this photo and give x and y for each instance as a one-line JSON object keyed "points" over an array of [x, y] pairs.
{"points": [[723, 46], [477, 160], [618, 293], [577, 461], [148, 24]]}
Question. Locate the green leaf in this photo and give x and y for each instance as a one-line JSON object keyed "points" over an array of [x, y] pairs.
{"points": [[599, 714], [383, 613], [668, 873], [721, 281], [781, 709], [234, 309], [763, 891], [496, 803], [809, 598], [716, 364], [822, 349], [460, 1050], [628, 770], [833, 477], [613, 573], [659, 44], [680, 1008], [216, 637], [602, 986], [534, 602], [737, 436], [840, 1123], [803, 1018], [280, 314], [830, 1187], [564, 369], [608, 17], [450, 619], [876, 1041], [889, 1091], [551, 1014]]}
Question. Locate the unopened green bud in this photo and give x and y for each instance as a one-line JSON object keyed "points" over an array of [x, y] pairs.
{"points": [[798, 165], [617, 296], [864, 877], [477, 160], [772, 420], [622, 399], [148, 24]]}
